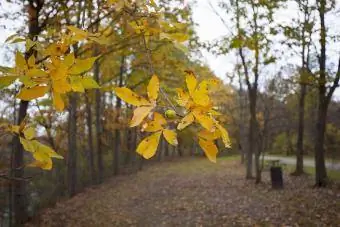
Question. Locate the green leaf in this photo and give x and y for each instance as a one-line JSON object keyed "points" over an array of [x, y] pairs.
{"points": [[5, 81], [76, 84], [89, 83], [5, 69], [270, 60], [29, 133], [29, 44], [82, 65]]}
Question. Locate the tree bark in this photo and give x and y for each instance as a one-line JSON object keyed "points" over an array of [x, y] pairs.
{"points": [[320, 168], [90, 139], [99, 127], [251, 133], [19, 186], [129, 143], [116, 153], [299, 146], [72, 146]]}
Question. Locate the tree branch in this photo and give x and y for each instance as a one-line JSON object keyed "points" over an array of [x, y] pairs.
{"points": [[335, 83]]}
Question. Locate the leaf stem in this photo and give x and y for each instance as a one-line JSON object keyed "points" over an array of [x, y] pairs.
{"points": [[152, 70]]}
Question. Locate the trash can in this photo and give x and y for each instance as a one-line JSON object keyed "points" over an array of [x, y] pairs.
{"points": [[276, 177]]}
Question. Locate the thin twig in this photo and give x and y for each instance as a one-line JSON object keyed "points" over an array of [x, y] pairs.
{"points": [[152, 71]]}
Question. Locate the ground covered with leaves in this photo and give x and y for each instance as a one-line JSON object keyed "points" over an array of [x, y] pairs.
{"points": [[195, 192]]}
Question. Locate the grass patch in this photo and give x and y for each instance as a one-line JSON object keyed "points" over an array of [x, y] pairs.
{"points": [[333, 175]]}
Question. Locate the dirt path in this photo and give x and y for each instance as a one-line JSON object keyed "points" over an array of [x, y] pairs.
{"points": [[196, 193]]}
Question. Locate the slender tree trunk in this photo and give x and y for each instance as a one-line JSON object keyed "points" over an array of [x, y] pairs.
{"points": [[129, 144], [299, 146], [159, 153], [90, 139], [320, 167], [116, 161], [72, 145], [99, 127], [19, 198], [166, 150], [251, 135]]}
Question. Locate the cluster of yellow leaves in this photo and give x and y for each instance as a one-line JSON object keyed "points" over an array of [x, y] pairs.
{"points": [[144, 107], [59, 73], [41, 153], [197, 105], [199, 109]]}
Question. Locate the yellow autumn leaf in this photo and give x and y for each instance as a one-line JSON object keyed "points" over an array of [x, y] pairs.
{"points": [[81, 34], [20, 61], [32, 93], [82, 65], [46, 165], [61, 86], [187, 120], [41, 156], [191, 82], [69, 60], [33, 73], [42, 148], [153, 126], [206, 121], [15, 129], [205, 134], [148, 147], [156, 124], [130, 97], [209, 149], [31, 61], [27, 145], [139, 114], [182, 97], [153, 88], [159, 118], [58, 102], [200, 95], [29, 133], [224, 135], [170, 136]]}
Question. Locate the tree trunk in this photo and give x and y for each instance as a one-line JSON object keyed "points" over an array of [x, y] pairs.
{"points": [[90, 139], [129, 144], [99, 128], [161, 147], [19, 197], [166, 150], [320, 167], [118, 110], [72, 146], [251, 135], [299, 145]]}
